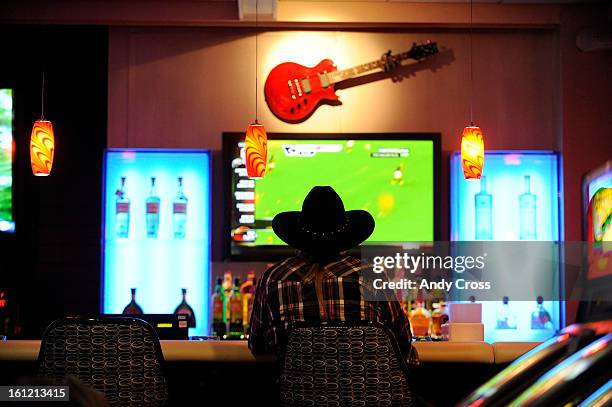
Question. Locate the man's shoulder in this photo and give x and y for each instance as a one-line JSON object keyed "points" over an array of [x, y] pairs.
{"points": [[342, 267], [281, 268]]}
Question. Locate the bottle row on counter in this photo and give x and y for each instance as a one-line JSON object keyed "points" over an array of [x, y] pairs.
{"points": [[182, 309], [232, 304], [428, 312]]}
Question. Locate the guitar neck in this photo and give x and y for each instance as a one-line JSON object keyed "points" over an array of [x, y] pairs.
{"points": [[338, 76]]}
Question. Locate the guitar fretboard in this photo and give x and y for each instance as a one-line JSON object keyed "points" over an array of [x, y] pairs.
{"points": [[338, 76]]}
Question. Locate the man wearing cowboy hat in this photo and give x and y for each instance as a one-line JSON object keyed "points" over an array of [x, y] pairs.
{"points": [[320, 283]]}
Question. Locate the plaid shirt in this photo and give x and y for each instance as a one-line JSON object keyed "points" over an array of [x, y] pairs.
{"points": [[287, 294]]}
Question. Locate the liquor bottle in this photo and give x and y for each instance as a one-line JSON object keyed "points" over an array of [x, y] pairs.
{"points": [[436, 327], [250, 301], [248, 295], [185, 309], [247, 289], [483, 202], [152, 210], [218, 306], [228, 286], [540, 318], [505, 318], [404, 304], [439, 317], [527, 212], [408, 302], [444, 313], [133, 308], [236, 328], [179, 211], [122, 211], [431, 303], [420, 320], [435, 295]]}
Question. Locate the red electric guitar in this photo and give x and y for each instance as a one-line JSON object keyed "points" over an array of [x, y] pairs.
{"points": [[293, 91]]}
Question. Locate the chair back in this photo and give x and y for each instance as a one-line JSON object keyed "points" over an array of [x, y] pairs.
{"points": [[120, 357], [343, 364]]}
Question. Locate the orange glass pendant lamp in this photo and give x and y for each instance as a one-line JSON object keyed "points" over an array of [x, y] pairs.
{"points": [[256, 150], [472, 152], [42, 148], [256, 139]]}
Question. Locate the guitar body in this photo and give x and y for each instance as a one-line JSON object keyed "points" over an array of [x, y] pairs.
{"points": [[293, 91]]}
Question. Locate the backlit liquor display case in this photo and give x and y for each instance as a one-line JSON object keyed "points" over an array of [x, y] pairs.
{"points": [[156, 233], [516, 200]]}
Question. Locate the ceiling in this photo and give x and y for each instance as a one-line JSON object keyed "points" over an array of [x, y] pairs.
{"points": [[475, 1]]}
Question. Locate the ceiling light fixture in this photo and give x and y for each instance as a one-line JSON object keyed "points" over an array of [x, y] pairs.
{"points": [[472, 138], [256, 139], [42, 141]]}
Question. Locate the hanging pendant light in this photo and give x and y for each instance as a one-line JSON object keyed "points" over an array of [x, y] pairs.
{"points": [[256, 150], [256, 139], [472, 138], [42, 142], [472, 152], [42, 147]]}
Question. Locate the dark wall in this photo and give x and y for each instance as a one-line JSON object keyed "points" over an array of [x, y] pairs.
{"points": [[53, 260]]}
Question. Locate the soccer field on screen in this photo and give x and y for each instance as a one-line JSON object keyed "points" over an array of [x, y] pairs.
{"points": [[391, 179]]}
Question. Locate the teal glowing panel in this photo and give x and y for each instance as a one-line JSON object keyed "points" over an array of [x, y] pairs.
{"points": [[157, 231], [517, 200]]}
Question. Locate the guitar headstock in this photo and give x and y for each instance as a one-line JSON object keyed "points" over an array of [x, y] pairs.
{"points": [[420, 51]]}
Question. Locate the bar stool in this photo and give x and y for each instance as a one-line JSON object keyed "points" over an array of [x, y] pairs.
{"points": [[342, 364], [120, 357]]}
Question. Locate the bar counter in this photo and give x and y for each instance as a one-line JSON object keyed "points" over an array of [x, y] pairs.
{"points": [[215, 368], [238, 351]]}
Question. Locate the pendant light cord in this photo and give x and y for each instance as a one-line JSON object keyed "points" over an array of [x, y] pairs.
{"points": [[44, 60], [42, 97], [471, 69], [256, 51]]}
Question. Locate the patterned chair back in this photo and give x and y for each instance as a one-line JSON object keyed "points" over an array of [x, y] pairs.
{"points": [[120, 357], [343, 364]]}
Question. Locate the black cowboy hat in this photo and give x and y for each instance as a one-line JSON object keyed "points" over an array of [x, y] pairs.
{"points": [[323, 226]]}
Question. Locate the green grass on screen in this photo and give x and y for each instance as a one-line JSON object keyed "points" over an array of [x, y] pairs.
{"points": [[402, 206]]}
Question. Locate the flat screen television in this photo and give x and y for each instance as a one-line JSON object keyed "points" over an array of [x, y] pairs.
{"points": [[7, 222], [597, 224], [393, 176]]}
